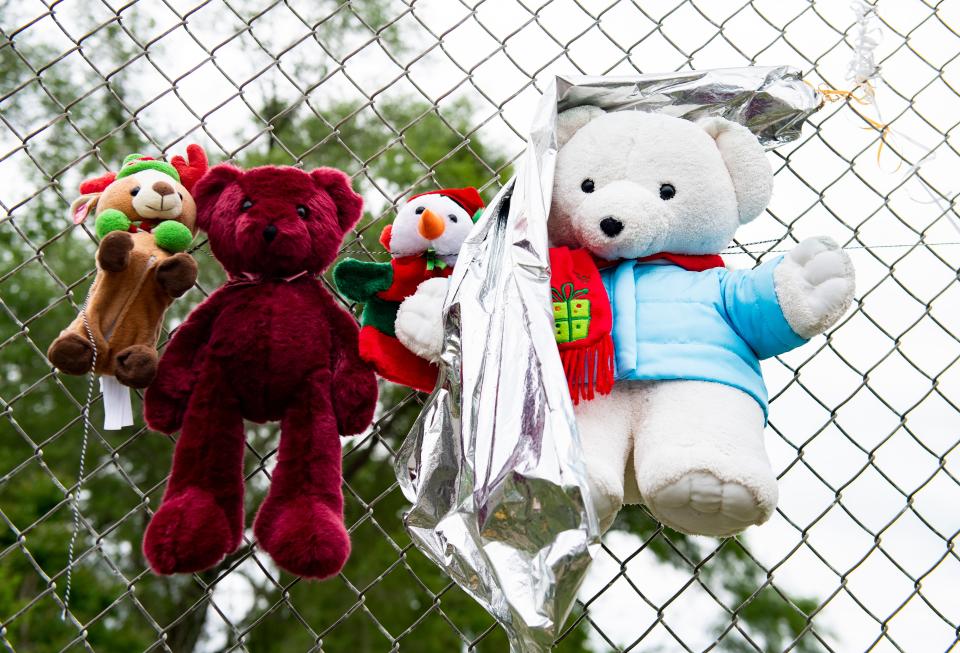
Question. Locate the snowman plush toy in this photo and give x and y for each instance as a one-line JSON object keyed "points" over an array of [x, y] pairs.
{"points": [[423, 242], [644, 202]]}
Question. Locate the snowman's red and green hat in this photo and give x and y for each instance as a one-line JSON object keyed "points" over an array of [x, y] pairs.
{"points": [[468, 198]]}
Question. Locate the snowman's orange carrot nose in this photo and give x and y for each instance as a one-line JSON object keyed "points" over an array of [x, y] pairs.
{"points": [[431, 225]]}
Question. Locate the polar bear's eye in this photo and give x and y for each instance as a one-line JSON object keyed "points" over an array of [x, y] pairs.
{"points": [[587, 186], [667, 191]]}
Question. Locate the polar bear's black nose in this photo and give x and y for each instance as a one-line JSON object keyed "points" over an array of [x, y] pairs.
{"points": [[269, 232], [611, 226]]}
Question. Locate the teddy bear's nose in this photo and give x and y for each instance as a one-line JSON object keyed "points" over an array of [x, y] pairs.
{"points": [[611, 226], [269, 232], [163, 188]]}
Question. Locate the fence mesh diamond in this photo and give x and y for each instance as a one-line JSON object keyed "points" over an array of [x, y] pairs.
{"points": [[411, 95]]}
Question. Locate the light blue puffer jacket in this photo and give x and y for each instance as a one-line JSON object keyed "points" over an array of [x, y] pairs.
{"points": [[715, 325]]}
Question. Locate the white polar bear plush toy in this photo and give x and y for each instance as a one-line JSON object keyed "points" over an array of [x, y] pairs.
{"points": [[654, 198]]}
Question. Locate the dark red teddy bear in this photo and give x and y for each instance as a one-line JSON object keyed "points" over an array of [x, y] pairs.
{"points": [[271, 344]]}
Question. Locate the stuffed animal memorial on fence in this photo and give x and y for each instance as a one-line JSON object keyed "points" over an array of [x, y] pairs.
{"points": [[145, 219], [270, 344], [423, 241], [673, 414]]}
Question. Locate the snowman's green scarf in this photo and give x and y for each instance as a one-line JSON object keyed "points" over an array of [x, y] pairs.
{"points": [[434, 262]]}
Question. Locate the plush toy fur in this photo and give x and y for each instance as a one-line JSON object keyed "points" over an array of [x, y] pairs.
{"points": [[271, 344], [679, 432], [691, 450], [137, 279], [424, 241]]}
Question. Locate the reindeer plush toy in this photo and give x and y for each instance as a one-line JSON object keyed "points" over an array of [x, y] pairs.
{"points": [[145, 218]]}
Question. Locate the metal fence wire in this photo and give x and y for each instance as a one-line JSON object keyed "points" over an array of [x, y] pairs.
{"points": [[411, 95]]}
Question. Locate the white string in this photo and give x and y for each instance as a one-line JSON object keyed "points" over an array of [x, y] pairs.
{"points": [[736, 249], [75, 499]]}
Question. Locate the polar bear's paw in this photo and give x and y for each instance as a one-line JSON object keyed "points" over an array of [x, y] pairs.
{"points": [[814, 285], [699, 503]]}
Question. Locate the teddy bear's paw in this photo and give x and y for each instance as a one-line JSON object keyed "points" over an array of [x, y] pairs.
{"points": [[161, 411], [419, 324], [303, 536], [354, 400], [815, 285], [701, 504], [190, 532]]}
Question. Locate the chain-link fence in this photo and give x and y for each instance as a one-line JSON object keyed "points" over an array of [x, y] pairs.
{"points": [[410, 95]]}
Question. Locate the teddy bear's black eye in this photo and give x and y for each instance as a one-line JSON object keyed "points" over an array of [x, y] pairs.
{"points": [[247, 203], [302, 211], [419, 210], [452, 217], [667, 191], [180, 195], [134, 191], [587, 186]]}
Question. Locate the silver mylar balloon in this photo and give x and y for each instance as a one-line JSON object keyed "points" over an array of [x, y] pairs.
{"points": [[493, 465]]}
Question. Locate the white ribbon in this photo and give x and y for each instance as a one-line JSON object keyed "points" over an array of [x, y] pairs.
{"points": [[867, 36], [117, 408]]}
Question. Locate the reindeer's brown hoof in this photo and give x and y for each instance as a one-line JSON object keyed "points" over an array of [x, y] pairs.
{"points": [[71, 354], [136, 366], [114, 252], [177, 274]]}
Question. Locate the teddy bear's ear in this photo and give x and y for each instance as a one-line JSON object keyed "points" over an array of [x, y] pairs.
{"points": [[207, 191], [747, 164], [571, 120], [337, 185]]}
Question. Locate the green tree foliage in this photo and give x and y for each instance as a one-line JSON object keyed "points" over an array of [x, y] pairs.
{"points": [[388, 590]]}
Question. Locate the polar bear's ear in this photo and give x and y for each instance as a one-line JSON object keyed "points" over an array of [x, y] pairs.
{"points": [[747, 164], [572, 120]]}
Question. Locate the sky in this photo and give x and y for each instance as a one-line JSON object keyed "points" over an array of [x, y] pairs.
{"points": [[889, 452]]}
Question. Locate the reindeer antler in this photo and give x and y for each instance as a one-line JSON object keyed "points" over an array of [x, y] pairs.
{"points": [[191, 169], [97, 184]]}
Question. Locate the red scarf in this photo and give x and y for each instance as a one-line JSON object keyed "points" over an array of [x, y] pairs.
{"points": [[583, 317]]}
